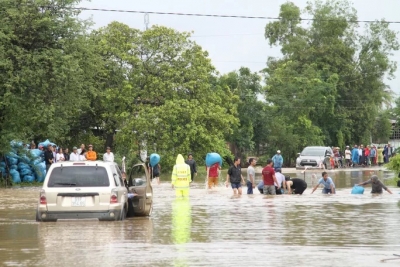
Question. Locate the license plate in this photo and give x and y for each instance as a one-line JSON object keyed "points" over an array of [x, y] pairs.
{"points": [[78, 201]]}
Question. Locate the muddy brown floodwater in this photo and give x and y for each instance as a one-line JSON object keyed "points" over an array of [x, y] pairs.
{"points": [[212, 228]]}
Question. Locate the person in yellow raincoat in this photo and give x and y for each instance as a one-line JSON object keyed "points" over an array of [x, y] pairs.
{"points": [[181, 177], [380, 156]]}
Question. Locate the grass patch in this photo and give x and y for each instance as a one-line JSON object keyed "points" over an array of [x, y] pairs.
{"points": [[392, 182]]}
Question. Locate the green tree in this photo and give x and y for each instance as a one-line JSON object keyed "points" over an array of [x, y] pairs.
{"points": [[329, 83], [45, 69], [382, 128], [114, 98], [246, 86], [155, 87]]}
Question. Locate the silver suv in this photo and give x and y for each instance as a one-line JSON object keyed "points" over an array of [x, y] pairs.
{"points": [[314, 157], [81, 190]]}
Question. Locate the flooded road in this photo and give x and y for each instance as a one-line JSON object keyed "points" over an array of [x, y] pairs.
{"points": [[212, 228]]}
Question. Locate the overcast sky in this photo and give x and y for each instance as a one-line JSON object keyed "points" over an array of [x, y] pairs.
{"points": [[231, 42]]}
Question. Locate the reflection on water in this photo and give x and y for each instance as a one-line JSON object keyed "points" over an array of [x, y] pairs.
{"points": [[214, 229], [181, 228]]}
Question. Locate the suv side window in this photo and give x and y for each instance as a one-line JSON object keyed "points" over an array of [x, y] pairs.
{"points": [[137, 176], [117, 176]]}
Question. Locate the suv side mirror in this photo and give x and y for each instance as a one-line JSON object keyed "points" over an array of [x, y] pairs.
{"points": [[298, 154]]}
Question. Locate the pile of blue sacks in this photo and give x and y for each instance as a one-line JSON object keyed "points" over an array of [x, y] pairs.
{"points": [[23, 164]]}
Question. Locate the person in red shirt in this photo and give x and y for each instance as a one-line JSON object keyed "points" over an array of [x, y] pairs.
{"points": [[269, 179], [213, 175]]}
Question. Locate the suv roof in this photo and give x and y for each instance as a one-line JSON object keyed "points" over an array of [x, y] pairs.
{"points": [[83, 163], [317, 147]]}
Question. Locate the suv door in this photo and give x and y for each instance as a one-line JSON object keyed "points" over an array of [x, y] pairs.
{"points": [[139, 182], [119, 184]]}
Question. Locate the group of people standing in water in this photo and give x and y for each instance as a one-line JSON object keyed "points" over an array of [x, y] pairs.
{"points": [[368, 156], [275, 183]]}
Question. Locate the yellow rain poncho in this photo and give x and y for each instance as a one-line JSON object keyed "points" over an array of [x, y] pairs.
{"points": [[181, 177]]}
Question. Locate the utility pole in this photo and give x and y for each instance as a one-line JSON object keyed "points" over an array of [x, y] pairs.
{"points": [[146, 20]]}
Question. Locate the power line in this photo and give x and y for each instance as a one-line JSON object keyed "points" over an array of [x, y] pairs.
{"points": [[219, 15]]}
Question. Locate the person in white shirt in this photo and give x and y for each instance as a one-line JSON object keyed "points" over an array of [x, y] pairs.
{"points": [[60, 155], [81, 149], [82, 156], [74, 155], [280, 178], [251, 176], [108, 156], [347, 156]]}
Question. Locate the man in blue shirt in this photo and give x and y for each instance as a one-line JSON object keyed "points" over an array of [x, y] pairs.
{"points": [[329, 186]]}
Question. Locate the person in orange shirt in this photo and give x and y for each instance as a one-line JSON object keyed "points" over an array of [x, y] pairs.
{"points": [[213, 175], [91, 155]]}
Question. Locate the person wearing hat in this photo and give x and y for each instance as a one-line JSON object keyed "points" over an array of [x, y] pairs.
{"points": [[74, 155], [347, 156], [91, 154], [192, 163], [277, 160], [376, 185], [108, 156]]}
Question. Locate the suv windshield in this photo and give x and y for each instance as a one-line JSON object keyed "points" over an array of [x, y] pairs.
{"points": [[82, 176], [313, 151]]}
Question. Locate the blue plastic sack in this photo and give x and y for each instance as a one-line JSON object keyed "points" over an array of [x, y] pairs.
{"points": [[213, 158], [16, 144], [40, 171], [28, 179], [2, 164], [25, 172], [37, 161], [45, 143], [154, 159], [36, 153], [12, 160], [357, 190], [25, 159], [12, 154], [23, 165], [16, 178], [13, 167]]}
